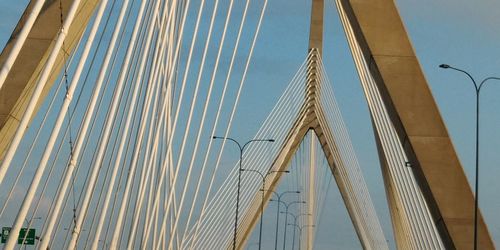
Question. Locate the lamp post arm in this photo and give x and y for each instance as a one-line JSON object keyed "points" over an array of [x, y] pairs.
{"points": [[295, 202], [230, 139], [254, 140], [485, 80], [282, 202], [274, 192], [298, 216], [237, 143], [279, 195], [294, 217], [469, 75], [255, 171], [288, 192], [303, 214], [275, 171]]}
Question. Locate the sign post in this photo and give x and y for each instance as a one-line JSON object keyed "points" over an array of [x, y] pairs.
{"points": [[26, 237]]}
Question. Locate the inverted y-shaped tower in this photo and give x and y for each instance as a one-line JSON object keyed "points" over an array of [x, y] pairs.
{"points": [[378, 32], [312, 117]]}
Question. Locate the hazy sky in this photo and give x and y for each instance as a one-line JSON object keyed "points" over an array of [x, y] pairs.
{"points": [[462, 33]]}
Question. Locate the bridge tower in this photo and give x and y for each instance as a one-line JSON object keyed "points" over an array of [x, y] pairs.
{"points": [[312, 118], [385, 46], [379, 31]]}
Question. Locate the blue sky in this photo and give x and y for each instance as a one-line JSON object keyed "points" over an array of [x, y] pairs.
{"points": [[462, 33]]}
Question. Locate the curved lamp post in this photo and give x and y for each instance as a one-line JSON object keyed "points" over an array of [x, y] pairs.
{"points": [[286, 217], [300, 231], [295, 217], [241, 148], [278, 212], [263, 189], [478, 91]]}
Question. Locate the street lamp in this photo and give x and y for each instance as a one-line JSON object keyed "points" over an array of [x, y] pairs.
{"points": [[300, 231], [239, 176], [295, 217], [478, 91], [286, 217], [278, 212], [262, 201]]}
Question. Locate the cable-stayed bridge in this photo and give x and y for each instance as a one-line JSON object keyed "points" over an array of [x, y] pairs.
{"points": [[110, 109]]}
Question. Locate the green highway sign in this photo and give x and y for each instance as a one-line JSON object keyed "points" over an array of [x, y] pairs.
{"points": [[29, 239], [5, 234]]}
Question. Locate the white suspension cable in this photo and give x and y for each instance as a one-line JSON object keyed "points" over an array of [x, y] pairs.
{"points": [[24, 123], [93, 176], [279, 104], [19, 42]]}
